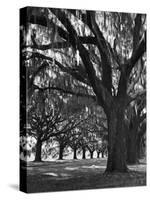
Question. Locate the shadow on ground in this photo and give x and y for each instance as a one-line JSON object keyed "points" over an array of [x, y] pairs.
{"points": [[14, 186], [80, 174]]}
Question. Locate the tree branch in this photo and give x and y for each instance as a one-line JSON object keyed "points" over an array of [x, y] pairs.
{"points": [[136, 79], [137, 54], [136, 31], [97, 85], [128, 66], [60, 45], [104, 52], [78, 94], [74, 74]]}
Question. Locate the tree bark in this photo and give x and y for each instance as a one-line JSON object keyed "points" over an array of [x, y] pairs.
{"points": [[38, 151], [91, 154], [61, 149], [103, 154], [83, 153], [139, 155], [140, 148], [98, 153], [116, 139], [132, 147], [75, 153]]}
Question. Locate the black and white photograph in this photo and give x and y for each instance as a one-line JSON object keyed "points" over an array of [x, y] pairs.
{"points": [[82, 99]]}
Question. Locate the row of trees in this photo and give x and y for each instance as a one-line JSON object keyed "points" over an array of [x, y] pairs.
{"points": [[50, 122], [96, 55], [55, 149]]}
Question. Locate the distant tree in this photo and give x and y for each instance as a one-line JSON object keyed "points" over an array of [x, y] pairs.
{"points": [[92, 132], [101, 148], [83, 145], [43, 117], [68, 135], [92, 141], [75, 141]]}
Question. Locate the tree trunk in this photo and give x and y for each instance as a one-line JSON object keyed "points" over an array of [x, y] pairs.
{"points": [[98, 153], [61, 149], [38, 151], [116, 139], [103, 154], [83, 155], [91, 153], [140, 148], [132, 147], [75, 153], [140, 145], [139, 155]]}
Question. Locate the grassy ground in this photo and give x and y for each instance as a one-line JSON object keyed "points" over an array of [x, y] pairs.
{"points": [[80, 174]]}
